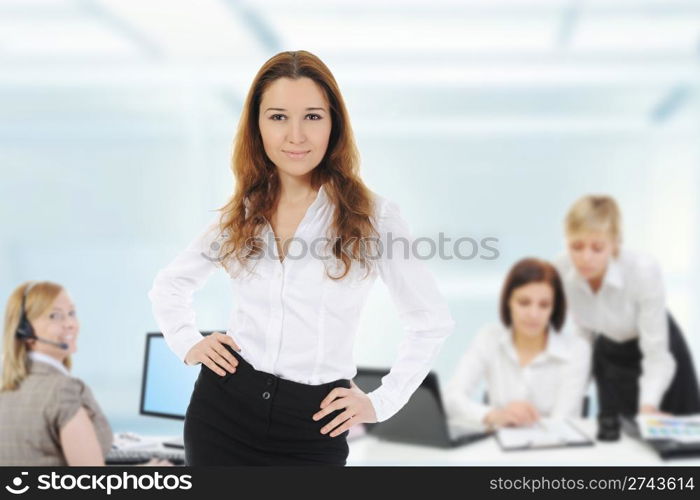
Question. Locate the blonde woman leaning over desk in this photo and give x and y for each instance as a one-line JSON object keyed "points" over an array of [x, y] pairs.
{"points": [[641, 362]]}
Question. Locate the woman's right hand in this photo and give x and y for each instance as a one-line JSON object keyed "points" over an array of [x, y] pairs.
{"points": [[157, 462], [211, 352], [515, 413]]}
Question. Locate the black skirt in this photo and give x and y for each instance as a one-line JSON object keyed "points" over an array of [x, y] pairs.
{"points": [[251, 417], [617, 367]]}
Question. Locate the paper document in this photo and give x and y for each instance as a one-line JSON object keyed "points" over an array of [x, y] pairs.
{"points": [[546, 432], [684, 429]]}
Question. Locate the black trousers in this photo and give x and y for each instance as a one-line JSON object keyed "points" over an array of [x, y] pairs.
{"points": [[617, 367], [251, 417]]}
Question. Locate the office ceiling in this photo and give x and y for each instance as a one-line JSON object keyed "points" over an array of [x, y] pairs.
{"points": [[461, 66]]}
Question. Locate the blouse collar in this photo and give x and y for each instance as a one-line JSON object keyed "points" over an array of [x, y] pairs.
{"points": [[613, 275], [45, 358], [555, 347], [320, 201]]}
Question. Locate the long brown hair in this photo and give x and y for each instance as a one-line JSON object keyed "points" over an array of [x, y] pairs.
{"points": [[39, 297], [257, 184]]}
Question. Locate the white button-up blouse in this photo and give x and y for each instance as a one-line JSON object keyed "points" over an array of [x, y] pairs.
{"points": [[631, 303], [554, 382], [290, 319]]}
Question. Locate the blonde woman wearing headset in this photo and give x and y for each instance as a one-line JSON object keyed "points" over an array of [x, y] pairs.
{"points": [[47, 416]]}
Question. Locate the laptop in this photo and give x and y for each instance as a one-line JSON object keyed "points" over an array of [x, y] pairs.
{"points": [[422, 420]]}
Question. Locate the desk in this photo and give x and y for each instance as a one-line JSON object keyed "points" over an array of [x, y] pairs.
{"points": [[368, 450]]}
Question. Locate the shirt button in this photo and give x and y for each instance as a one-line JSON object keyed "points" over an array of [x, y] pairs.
{"points": [[269, 381], [266, 395]]}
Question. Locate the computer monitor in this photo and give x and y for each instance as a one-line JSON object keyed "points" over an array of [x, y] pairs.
{"points": [[166, 383]]}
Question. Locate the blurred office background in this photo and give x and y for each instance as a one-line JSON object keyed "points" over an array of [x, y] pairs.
{"points": [[480, 118]]}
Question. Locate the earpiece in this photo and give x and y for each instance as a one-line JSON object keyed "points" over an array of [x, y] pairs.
{"points": [[25, 329]]}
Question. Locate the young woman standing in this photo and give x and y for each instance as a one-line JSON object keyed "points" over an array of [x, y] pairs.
{"points": [[302, 239]]}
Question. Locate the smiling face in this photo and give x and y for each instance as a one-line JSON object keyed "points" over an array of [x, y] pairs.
{"points": [[590, 252], [531, 308], [58, 323], [295, 125]]}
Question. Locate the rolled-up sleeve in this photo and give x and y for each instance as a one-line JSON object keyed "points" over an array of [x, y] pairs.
{"points": [[422, 310], [658, 365], [174, 286]]}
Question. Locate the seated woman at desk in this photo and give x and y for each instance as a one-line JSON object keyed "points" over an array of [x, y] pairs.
{"points": [[641, 363], [47, 417], [531, 369]]}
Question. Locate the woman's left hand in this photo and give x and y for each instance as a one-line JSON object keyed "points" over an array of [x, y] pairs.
{"points": [[358, 409], [652, 410]]}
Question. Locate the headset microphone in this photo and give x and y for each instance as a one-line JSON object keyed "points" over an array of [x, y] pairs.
{"points": [[25, 330], [62, 345]]}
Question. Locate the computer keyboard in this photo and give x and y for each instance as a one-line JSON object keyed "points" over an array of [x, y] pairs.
{"points": [[133, 457]]}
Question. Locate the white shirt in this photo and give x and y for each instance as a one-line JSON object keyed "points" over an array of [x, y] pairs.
{"points": [[45, 358], [554, 382], [630, 303], [293, 321]]}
